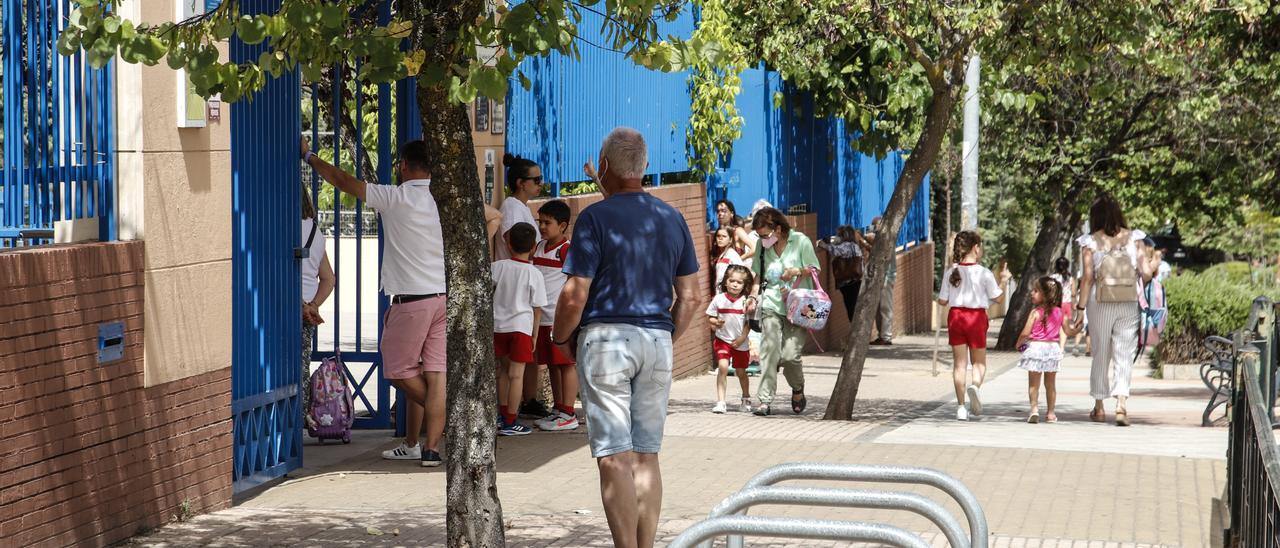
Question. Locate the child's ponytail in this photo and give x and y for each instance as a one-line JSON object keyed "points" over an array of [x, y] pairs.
{"points": [[965, 241]]}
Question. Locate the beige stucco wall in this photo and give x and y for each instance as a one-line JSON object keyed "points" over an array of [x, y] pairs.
{"points": [[175, 193]]}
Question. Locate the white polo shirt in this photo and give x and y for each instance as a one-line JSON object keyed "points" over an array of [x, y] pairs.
{"points": [[413, 253], [978, 287], [518, 290], [514, 211], [734, 313], [550, 262]]}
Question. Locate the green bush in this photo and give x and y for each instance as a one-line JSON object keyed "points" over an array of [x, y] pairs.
{"points": [[1241, 273], [1214, 302]]}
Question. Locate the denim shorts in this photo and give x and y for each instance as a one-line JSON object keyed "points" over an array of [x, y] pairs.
{"points": [[624, 380]]}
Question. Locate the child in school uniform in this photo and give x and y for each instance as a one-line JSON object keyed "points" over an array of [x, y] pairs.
{"points": [[727, 317], [518, 297], [549, 257], [969, 289]]}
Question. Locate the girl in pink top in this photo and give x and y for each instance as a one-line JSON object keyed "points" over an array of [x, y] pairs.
{"points": [[1041, 346]]}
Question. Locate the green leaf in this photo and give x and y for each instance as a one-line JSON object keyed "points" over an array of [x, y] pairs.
{"points": [[525, 82], [69, 42], [111, 24], [489, 82], [251, 30]]}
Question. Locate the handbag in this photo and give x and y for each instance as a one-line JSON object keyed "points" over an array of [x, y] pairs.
{"points": [[808, 308]]}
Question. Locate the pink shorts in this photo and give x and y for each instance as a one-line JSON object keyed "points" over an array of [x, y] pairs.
{"points": [[411, 332]]}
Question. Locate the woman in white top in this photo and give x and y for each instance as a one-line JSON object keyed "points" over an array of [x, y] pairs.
{"points": [[524, 181], [317, 284], [1109, 291], [727, 218]]}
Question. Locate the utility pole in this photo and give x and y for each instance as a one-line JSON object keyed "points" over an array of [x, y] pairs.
{"points": [[969, 147]]}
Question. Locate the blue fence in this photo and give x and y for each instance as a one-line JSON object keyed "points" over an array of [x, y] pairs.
{"points": [[265, 283], [560, 121], [785, 155], [806, 164], [58, 160]]}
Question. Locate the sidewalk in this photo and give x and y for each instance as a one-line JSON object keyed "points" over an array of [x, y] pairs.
{"points": [[1074, 483]]}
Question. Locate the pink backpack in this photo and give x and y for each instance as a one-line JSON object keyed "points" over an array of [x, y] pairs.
{"points": [[331, 412], [808, 308]]}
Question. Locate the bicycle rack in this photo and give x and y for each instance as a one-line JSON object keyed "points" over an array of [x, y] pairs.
{"points": [[797, 528], [759, 490]]}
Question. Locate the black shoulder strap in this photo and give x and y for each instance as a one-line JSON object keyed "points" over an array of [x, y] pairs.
{"points": [[311, 237]]}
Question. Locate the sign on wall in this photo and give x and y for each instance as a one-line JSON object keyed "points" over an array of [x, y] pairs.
{"points": [[191, 107]]}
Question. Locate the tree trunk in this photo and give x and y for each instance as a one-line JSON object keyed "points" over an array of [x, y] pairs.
{"points": [[474, 515], [923, 155], [1039, 263]]}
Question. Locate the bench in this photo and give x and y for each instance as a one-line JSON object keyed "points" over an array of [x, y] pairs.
{"points": [[1218, 374]]}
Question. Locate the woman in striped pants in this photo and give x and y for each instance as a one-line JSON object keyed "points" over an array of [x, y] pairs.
{"points": [[1109, 291]]}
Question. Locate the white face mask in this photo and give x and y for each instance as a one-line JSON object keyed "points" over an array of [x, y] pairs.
{"points": [[772, 239]]}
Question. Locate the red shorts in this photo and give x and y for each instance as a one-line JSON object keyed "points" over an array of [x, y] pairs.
{"points": [[740, 359], [548, 353], [967, 327], [518, 347]]}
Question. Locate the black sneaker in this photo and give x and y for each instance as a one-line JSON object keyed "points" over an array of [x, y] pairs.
{"points": [[534, 409], [431, 459]]}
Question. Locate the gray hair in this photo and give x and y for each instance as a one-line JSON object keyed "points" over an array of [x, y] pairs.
{"points": [[627, 153]]}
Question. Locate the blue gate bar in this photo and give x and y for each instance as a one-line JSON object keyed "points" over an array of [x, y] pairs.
{"points": [[58, 158], [266, 319]]}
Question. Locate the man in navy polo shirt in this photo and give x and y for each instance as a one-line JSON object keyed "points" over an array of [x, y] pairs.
{"points": [[618, 315]]}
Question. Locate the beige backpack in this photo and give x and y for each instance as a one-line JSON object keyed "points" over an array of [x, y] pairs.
{"points": [[1115, 276]]}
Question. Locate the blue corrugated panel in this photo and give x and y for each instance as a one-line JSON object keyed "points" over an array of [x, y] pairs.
{"points": [[793, 160], [573, 104], [266, 323]]}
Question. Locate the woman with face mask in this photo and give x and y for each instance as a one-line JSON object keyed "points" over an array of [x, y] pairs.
{"points": [[782, 256]]}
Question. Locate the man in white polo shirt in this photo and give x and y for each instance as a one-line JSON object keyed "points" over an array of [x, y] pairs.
{"points": [[413, 334]]}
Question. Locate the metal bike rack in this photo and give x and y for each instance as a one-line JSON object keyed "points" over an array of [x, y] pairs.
{"points": [[752, 490], [797, 528], [818, 496]]}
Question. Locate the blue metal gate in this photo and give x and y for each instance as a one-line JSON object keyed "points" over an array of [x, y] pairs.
{"points": [[266, 318], [352, 127], [58, 160]]}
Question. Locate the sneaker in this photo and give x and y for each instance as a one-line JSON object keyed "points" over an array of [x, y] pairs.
{"points": [[559, 421], [534, 409], [763, 410], [881, 342], [975, 403], [719, 408], [403, 452], [431, 459], [962, 414], [514, 429], [746, 405]]}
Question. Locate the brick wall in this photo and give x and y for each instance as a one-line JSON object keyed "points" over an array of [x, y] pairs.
{"points": [[91, 456], [693, 350]]}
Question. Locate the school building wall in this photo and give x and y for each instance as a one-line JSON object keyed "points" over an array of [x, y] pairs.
{"points": [[692, 351], [97, 452], [93, 453]]}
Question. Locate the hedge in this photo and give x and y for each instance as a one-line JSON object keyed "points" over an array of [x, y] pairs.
{"points": [[1214, 302]]}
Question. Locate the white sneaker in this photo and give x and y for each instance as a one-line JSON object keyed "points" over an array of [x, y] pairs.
{"points": [[975, 404], [403, 452], [962, 414], [719, 408], [557, 422], [746, 405]]}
